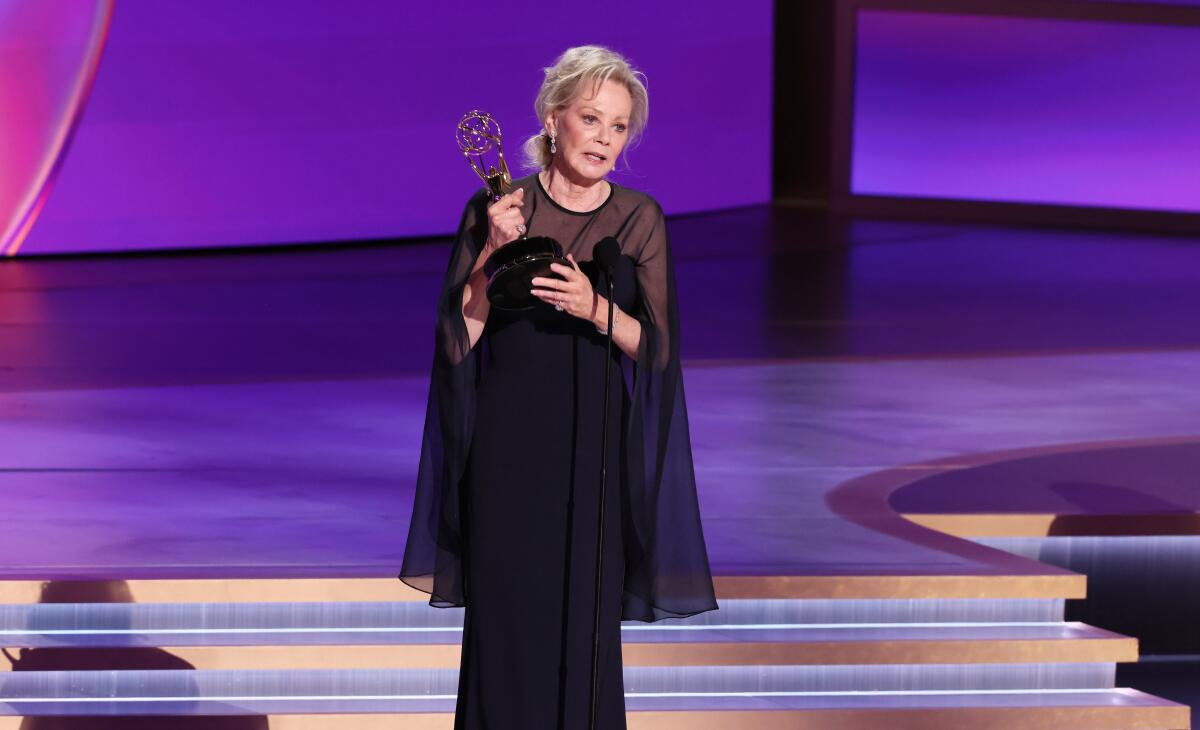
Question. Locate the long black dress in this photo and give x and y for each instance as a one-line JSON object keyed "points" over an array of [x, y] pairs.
{"points": [[505, 516]]}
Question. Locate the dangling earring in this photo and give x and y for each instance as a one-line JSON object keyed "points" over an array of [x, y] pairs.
{"points": [[553, 147]]}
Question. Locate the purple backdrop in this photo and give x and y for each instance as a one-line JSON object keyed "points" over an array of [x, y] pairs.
{"points": [[224, 122], [1027, 110]]}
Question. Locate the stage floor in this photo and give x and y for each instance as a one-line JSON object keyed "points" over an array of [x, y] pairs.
{"points": [[257, 414]]}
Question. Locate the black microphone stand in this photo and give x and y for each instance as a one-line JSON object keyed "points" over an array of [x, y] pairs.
{"points": [[608, 277]]}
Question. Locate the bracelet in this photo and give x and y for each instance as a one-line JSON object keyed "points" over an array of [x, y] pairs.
{"points": [[616, 318]]}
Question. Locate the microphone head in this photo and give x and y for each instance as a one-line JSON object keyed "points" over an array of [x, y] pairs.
{"points": [[606, 253]]}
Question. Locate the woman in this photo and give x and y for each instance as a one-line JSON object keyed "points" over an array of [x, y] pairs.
{"points": [[505, 515]]}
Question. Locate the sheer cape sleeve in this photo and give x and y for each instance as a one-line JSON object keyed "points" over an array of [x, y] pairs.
{"points": [[667, 570], [433, 555]]}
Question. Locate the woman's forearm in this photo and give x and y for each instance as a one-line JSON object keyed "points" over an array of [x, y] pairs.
{"points": [[627, 332], [475, 305]]}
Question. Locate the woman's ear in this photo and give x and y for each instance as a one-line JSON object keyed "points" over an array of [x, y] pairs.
{"points": [[551, 122]]}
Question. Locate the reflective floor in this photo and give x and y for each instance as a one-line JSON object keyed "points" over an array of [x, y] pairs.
{"points": [[156, 408]]}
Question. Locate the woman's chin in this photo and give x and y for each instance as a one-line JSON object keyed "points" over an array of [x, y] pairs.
{"points": [[591, 173]]}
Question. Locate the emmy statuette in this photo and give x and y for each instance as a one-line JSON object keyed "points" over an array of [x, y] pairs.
{"points": [[512, 267]]}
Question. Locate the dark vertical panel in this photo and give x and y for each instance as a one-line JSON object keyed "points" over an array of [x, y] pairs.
{"points": [[803, 98]]}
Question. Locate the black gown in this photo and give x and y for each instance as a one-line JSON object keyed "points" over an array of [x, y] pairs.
{"points": [[505, 516]]}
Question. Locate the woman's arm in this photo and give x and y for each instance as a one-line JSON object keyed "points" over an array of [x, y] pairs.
{"points": [[505, 225], [476, 306], [627, 331]]}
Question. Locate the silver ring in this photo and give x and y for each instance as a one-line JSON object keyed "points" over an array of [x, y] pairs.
{"points": [[558, 307], [521, 229]]}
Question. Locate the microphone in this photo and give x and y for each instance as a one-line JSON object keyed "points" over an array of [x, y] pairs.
{"points": [[606, 253], [605, 256]]}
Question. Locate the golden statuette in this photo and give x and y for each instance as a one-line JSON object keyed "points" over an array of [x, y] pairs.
{"points": [[511, 268], [478, 135]]}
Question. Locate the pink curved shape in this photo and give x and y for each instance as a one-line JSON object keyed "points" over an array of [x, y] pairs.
{"points": [[49, 56]]}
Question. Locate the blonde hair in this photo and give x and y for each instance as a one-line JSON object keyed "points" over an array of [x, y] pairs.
{"points": [[575, 67]]}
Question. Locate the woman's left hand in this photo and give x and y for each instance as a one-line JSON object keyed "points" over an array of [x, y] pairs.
{"points": [[572, 294]]}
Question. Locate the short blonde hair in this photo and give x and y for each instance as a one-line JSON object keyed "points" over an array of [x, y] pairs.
{"points": [[575, 67]]}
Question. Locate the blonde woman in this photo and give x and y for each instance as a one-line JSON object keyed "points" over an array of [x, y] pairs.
{"points": [[505, 516]]}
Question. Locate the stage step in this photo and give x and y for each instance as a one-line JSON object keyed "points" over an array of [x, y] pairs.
{"points": [[942, 645], [812, 662], [349, 699], [197, 617], [640, 681], [1124, 709], [248, 585], [403, 634]]}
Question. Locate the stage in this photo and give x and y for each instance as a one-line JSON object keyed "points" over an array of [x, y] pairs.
{"points": [[208, 391], [214, 427]]}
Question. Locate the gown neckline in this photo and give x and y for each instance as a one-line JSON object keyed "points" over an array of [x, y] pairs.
{"points": [[612, 189]]}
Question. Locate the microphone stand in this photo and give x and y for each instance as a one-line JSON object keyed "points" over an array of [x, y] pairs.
{"points": [[608, 274]]}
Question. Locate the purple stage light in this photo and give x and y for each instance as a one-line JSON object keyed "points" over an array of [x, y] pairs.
{"points": [[1027, 110]]}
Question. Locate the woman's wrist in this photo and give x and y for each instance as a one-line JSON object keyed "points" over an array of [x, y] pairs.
{"points": [[600, 316]]}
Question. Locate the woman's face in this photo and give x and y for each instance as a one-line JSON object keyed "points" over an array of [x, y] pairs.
{"points": [[591, 131]]}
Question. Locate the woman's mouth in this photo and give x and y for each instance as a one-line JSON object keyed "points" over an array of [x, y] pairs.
{"points": [[595, 158]]}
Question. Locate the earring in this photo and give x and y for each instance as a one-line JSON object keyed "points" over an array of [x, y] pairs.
{"points": [[553, 147]]}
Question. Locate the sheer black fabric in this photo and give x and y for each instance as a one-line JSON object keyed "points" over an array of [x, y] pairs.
{"points": [[666, 570]]}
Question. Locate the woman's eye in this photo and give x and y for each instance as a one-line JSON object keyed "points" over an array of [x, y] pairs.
{"points": [[589, 119], [621, 128]]}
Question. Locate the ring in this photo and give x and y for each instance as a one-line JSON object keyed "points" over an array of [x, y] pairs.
{"points": [[558, 307], [521, 229]]}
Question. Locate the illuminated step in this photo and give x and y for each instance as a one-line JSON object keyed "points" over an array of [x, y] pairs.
{"points": [[869, 677], [338, 697], [881, 611], [884, 644], [762, 680], [1047, 524], [63, 620], [253, 587], [1116, 709], [643, 645]]}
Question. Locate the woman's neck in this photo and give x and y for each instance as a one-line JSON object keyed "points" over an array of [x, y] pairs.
{"points": [[579, 196]]}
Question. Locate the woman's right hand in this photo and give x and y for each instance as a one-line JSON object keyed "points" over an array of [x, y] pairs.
{"points": [[505, 222]]}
